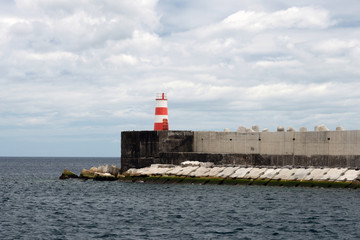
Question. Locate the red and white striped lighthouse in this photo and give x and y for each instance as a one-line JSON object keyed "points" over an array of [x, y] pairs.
{"points": [[161, 113]]}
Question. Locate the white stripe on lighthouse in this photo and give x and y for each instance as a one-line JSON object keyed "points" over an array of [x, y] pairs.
{"points": [[159, 118]]}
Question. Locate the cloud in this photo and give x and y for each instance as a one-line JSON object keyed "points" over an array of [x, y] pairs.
{"points": [[294, 17], [91, 69], [337, 46]]}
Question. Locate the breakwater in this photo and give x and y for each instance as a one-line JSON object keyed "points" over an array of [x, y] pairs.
{"points": [[207, 173], [320, 149]]}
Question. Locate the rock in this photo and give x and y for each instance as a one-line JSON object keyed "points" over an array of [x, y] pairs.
{"points": [[104, 177], [114, 170], [102, 169], [87, 174], [66, 174]]}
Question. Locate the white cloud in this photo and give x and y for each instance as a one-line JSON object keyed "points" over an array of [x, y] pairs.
{"points": [[85, 67], [337, 46], [294, 17], [277, 63]]}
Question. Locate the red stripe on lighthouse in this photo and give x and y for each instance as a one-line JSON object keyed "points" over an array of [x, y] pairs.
{"points": [[161, 111], [158, 126]]}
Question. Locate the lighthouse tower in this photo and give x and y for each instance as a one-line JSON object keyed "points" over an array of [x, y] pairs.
{"points": [[161, 113]]}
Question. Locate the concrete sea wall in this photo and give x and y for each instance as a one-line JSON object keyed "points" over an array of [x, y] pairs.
{"points": [[330, 143], [297, 149]]}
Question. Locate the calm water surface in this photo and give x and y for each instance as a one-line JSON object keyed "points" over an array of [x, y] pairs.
{"points": [[34, 204]]}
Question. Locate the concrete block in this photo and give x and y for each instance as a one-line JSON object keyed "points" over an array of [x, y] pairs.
{"points": [[174, 170], [255, 173], [285, 173], [270, 173], [241, 172], [340, 128], [333, 174], [227, 172], [349, 175], [241, 129], [255, 128], [303, 129], [291, 129], [200, 172], [132, 171], [280, 128], [186, 171], [300, 173], [151, 171], [317, 174], [159, 171], [215, 171], [143, 171]]}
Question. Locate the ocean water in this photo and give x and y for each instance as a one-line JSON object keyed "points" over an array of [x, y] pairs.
{"points": [[35, 204]]}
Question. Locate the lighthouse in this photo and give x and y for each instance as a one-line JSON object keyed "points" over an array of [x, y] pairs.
{"points": [[161, 113]]}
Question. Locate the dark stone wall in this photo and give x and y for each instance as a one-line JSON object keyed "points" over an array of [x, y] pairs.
{"points": [[143, 148]]}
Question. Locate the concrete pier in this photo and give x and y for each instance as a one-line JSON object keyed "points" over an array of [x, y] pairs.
{"points": [[326, 149]]}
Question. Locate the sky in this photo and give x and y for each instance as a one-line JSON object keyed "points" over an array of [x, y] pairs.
{"points": [[74, 74]]}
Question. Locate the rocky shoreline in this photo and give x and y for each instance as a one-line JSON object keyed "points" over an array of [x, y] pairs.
{"points": [[194, 172], [101, 173]]}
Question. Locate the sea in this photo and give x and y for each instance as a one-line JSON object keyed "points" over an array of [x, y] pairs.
{"points": [[35, 204]]}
